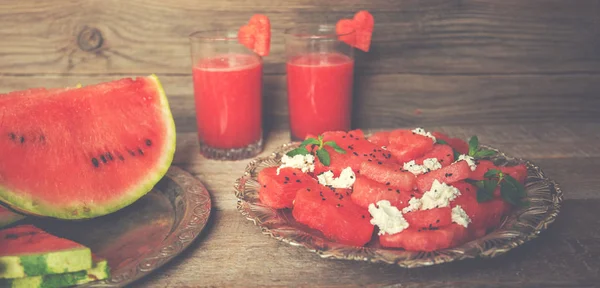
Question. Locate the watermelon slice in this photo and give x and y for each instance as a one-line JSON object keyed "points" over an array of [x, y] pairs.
{"points": [[8, 217], [416, 239], [449, 174], [388, 175], [443, 153], [27, 251], [381, 138], [256, 35], [85, 152], [406, 145], [279, 191], [457, 144], [334, 214], [366, 191], [357, 32], [426, 219], [99, 271]]}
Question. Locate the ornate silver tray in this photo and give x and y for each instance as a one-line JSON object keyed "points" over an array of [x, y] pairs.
{"points": [[142, 237], [521, 225]]}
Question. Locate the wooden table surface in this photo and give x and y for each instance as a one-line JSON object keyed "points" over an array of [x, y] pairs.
{"points": [[231, 251]]}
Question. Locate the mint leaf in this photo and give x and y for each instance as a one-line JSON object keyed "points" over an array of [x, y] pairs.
{"points": [[491, 173], [490, 185], [323, 156], [509, 193], [298, 151], [335, 147], [519, 188], [473, 145], [484, 195], [456, 155], [440, 141], [309, 141], [484, 153]]}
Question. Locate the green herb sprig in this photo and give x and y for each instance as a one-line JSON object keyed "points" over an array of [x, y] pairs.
{"points": [[477, 152], [511, 190], [322, 154]]}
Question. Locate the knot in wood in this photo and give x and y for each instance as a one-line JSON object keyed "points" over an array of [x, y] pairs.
{"points": [[90, 39]]}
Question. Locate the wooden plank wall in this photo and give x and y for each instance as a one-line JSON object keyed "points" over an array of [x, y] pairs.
{"points": [[433, 62]]}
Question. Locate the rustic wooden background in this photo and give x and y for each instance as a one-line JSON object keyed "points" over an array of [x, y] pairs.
{"points": [[450, 62]]}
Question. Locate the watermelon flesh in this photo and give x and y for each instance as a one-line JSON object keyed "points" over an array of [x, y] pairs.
{"points": [[366, 191], [388, 175], [99, 271], [279, 191], [449, 174], [8, 217], [26, 251], [84, 152], [334, 214], [413, 239]]}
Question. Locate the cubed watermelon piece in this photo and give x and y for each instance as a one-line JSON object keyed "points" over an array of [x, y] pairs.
{"points": [[518, 172], [366, 191], [449, 174], [388, 175], [406, 145], [334, 214], [483, 215], [381, 138], [482, 167], [458, 144], [358, 150], [443, 153], [279, 191], [415, 239], [425, 219]]}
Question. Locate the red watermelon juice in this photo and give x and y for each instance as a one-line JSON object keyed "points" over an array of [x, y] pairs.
{"points": [[228, 98], [319, 93]]}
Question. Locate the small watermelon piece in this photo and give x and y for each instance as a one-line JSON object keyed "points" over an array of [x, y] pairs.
{"points": [[358, 150], [388, 175], [256, 35], [482, 167], [381, 138], [99, 271], [366, 191], [518, 172], [279, 191], [449, 174], [362, 25], [406, 145], [426, 219], [26, 251], [414, 239], [484, 215], [443, 153], [117, 137], [458, 144], [334, 214], [8, 217]]}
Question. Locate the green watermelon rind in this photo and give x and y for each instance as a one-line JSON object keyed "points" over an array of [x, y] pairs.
{"points": [[99, 271], [28, 265], [27, 205]]}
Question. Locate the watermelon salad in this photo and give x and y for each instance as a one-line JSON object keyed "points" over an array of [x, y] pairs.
{"points": [[409, 189]]}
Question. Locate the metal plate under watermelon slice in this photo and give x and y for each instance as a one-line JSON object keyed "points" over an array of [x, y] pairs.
{"points": [[142, 237], [79, 153]]}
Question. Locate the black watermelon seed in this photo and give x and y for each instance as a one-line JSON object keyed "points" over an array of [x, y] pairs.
{"points": [[22, 139], [103, 158], [12, 136], [355, 154], [148, 142], [131, 152], [95, 162], [264, 186], [379, 163], [297, 180], [140, 151], [363, 216], [308, 189], [437, 221], [42, 138], [387, 183], [120, 156], [109, 156]]}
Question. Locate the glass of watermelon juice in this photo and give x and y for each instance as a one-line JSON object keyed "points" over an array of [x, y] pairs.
{"points": [[227, 80], [320, 71]]}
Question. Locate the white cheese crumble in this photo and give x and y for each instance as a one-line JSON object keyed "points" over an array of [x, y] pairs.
{"points": [[346, 179], [429, 164], [306, 163], [439, 196], [460, 217], [413, 205], [470, 160], [387, 217], [422, 131]]}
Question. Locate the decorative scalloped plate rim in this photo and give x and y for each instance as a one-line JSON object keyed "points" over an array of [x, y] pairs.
{"points": [[520, 226]]}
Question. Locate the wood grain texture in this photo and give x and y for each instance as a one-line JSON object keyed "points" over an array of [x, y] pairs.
{"points": [[401, 100], [419, 37]]}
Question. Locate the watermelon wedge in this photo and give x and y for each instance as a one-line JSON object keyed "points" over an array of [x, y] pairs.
{"points": [[8, 217], [84, 152], [357, 31], [256, 35], [99, 271], [26, 251]]}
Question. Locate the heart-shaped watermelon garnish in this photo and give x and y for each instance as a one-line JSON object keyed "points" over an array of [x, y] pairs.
{"points": [[362, 24], [256, 35]]}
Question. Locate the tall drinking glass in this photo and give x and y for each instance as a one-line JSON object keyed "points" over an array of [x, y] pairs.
{"points": [[228, 95], [319, 80]]}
